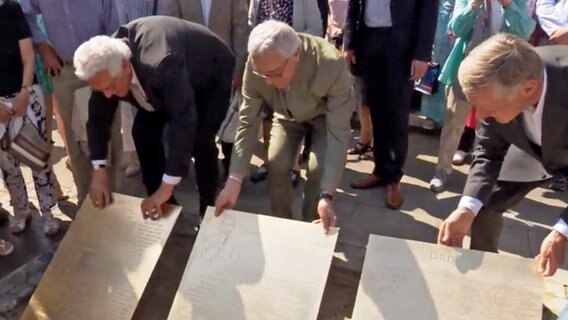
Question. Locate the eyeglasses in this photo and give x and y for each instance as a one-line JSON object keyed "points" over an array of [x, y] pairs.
{"points": [[276, 73]]}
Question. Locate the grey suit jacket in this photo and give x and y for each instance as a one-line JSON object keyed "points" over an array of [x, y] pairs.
{"points": [[495, 138], [174, 61], [227, 19]]}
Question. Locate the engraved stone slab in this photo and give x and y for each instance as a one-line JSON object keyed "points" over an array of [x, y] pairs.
{"points": [[405, 279], [254, 267], [103, 264]]}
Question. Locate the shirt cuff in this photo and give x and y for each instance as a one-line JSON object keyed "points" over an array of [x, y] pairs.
{"points": [[561, 227], [171, 180], [471, 203], [98, 163]]}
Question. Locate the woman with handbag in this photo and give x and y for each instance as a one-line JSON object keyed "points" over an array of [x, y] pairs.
{"points": [[22, 119], [473, 22]]}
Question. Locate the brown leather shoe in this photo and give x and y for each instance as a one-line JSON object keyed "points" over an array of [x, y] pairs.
{"points": [[369, 182], [393, 197]]}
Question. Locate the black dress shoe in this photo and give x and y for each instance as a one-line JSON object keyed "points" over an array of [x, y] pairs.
{"points": [[259, 175]]}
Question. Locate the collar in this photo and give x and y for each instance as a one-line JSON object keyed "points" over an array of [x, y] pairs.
{"points": [[134, 80]]}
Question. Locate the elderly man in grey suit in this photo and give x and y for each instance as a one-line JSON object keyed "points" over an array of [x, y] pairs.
{"points": [[520, 93]]}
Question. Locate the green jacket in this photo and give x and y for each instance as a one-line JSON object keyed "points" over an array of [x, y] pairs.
{"points": [[516, 21]]}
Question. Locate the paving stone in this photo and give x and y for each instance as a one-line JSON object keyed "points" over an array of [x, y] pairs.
{"points": [[7, 303], [5, 286], [35, 266], [18, 277], [22, 291], [34, 279]]}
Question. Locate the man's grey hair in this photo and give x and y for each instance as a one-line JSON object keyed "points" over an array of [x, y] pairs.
{"points": [[503, 58], [98, 54], [273, 37]]}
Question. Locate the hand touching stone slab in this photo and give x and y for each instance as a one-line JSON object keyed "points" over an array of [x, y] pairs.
{"points": [[404, 279], [103, 264], [249, 266]]}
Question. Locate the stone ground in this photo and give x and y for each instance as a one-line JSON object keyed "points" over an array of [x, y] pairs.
{"points": [[360, 213]]}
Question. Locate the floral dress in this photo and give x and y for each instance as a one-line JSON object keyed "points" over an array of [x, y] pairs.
{"points": [[281, 10]]}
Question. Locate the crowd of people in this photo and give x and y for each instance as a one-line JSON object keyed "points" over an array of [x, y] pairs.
{"points": [[157, 83]]}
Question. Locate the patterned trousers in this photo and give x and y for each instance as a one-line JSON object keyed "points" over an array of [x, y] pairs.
{"points": [[11, 168]]}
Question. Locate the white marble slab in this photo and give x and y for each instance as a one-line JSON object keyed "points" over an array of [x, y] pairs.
{"points": [[255, 267], [103, 264], [405, 279]]}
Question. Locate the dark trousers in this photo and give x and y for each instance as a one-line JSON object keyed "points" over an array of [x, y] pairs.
{"points": [[385, 73], [226, 149], [148, 131], [467, 140], [488, 223]]}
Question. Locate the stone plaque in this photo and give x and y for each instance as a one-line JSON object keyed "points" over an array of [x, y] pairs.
{"points": [[405, 279], [254, 267], [103, 264]]}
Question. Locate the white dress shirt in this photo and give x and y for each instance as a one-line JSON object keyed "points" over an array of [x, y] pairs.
{"points": [[206, 10], [532, 123], [377, 13], [552, 14], [140, 97]]}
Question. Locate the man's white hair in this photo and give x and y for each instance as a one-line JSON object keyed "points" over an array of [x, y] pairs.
{"points": [[98, 54], [273, 37]]}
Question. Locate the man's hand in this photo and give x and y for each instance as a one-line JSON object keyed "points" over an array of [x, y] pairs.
{"points": [[455, 227], [6, 113], [20, 103], [349, 57], [152, 206], [418, 69], [100, 190], [326, 214], [237, 80], [559, 36], [551, 253], [50, 60], [227, 199]]}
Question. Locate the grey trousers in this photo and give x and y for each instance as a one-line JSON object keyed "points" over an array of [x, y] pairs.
{"points": [[64, 87], [11, 168], [457, 110], [285, 139]]}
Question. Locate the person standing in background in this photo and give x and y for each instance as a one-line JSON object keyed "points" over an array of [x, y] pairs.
{"points": [[552, 16], [434, 106], [51, 110], [128, 10], [390, 44], [67, 25], [473, 22], [228, 20], [334, 34], [21, 100]]}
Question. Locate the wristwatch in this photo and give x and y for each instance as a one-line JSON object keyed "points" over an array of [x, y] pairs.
{"points": [[325, 195]]}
